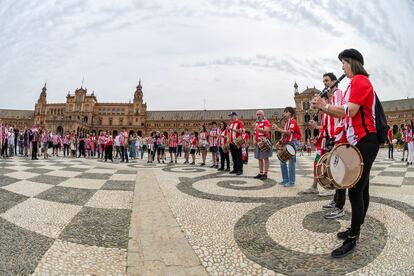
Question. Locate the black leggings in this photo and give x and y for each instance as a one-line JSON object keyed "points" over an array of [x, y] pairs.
{"points": [[339, 198], [359, 194]]}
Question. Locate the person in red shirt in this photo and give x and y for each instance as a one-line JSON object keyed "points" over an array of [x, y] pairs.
{"points": [[193, 146], [172, 145], [358, 112], [223, 143], [291, 134], [213, 138], [261, 131], [235, 128]]}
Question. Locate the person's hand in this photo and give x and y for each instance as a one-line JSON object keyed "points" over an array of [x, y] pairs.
{"points": [[318, 102]]}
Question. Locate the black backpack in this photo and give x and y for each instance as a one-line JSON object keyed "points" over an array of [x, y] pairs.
{"points": [[380, 121]]}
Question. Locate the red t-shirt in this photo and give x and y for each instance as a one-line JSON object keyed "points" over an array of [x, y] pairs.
{"points": [[261, 125], [360, 92], [173, 140], [390, 136], [233, 126], [295, 133]]}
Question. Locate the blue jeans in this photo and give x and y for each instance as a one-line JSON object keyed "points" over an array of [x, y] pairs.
{"points": [[288, 176], [132, 151]]}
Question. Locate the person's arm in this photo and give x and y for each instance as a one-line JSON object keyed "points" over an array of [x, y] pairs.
{"points": [[336, 111]]}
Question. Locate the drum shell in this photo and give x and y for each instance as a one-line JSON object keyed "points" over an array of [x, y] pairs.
{"points": [[322, 173], [238, 142], [264, 144], [283, 154]]}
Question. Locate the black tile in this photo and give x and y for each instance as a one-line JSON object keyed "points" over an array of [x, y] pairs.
{"points": [[94, 175], [99, 227], [38, 170], [67, 195], [70, 169], [6, 180], [9, 199], [20, 250], [119, 185], [48, 179], [126, 172]]}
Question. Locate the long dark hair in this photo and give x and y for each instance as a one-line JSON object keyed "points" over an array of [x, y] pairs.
{"points": [[356, 67], [224, 125]]}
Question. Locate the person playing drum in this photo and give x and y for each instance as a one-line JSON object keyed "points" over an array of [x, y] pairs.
{"points": [[291, 134], [261, 132], [236, 128], [358, 110]]}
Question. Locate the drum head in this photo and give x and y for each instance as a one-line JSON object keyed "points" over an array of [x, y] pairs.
{"points": [[345, 166], [290, 149]]}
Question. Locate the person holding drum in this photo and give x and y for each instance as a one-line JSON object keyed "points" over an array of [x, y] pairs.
{"points": [[358, 110], [291, 135], [262, 137], [236, 128]]}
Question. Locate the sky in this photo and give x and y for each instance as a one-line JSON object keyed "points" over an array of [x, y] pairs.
{"points": [[196, 54]]}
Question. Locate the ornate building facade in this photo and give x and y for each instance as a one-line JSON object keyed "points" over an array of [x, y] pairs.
{"points": [[82, 112]]}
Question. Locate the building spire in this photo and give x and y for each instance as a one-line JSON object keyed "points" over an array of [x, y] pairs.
{"points": [[83, 79]]}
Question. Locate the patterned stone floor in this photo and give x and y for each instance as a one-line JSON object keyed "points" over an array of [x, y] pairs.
{"points": [[72, 216], [64, 216]]}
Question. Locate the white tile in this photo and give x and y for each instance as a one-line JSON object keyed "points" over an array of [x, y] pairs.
{"points": [[111, 199], [18, 167], [391, 169], [389, 180], [64, 173], [125, 177], [104, 171], [41, 216], [27, 188], [409, 174], [66, 258], [22, 175], [83, 183]]}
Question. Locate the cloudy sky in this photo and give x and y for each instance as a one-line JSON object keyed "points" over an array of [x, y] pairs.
{"points": [[226, 54]]}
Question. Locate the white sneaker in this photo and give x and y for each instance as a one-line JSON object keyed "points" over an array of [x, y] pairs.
{"points": [[326, 192]]}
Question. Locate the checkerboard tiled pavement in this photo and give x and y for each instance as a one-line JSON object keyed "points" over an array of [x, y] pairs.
{"points": [[63, 214]]}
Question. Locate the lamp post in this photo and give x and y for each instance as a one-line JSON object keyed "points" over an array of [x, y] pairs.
{"points": [[176, 122]]}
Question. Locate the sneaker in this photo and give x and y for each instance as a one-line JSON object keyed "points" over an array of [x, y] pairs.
{"points": [[202, 164], [220, 169], [283, 182], [288, 185], [345, 249], [335, 213], [330, 205], [171, 162], [258, 176], [264, 177], [213, 166], [192, 163], [310, 190], [233, 172], [344, 234], [239, 173], [326, 192]]}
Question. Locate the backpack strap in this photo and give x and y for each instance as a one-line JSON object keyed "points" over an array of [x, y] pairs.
{"points": [[363, 119]]}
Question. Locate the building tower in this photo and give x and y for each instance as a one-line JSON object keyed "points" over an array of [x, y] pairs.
{"points": [[40, 108]]}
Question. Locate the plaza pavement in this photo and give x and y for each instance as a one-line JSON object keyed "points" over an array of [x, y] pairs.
{"points": [[86, 217]]}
